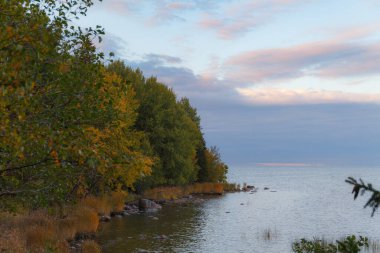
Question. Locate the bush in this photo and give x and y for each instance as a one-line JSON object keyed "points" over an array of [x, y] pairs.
{"points": [[350, 244]]}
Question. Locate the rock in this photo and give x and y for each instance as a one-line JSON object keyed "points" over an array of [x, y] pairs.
{"points": [[162, 202], [242, 204], [273, 191], [105, 218], [128, 207], [161, 237], [142, 251], [250, 187], [116, 214], [146, 204], [154, 218], [227, 212], [266, 188]]}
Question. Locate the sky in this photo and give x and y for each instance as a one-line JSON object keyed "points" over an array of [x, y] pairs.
{"points": [[274, 81]]}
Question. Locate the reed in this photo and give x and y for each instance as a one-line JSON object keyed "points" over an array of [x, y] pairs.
{"points": [[67, 228], [231, 187], [40, 231], [86, 220], [40, 238], [176, 192], [90, 247], [100, 205], [269, 234], [12, 240], [117, 201]]}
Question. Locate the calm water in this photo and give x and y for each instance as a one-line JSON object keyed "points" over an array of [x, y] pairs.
{"points": [[308, 202]]}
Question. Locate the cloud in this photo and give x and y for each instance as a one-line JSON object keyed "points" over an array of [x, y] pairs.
{"points": [[204, 90], [122, 7], [111, 43], [285, 165], [265, 96], [237, 19], [159, 59], [328, 59], [228, 19], [169, 12]]}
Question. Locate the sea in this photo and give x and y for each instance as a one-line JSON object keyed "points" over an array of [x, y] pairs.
{"points": [[291, 203]]}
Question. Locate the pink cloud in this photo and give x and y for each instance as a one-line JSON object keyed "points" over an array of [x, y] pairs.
{"points": [[285, 165], [333, 58], [236, 19], [121, 6], [265, 96]]}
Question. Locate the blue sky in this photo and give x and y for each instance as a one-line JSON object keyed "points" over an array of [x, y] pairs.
{"points": [[275, 81]]}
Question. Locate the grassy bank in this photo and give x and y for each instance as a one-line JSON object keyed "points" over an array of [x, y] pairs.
{"points": [[177, 192], [52, 230]]}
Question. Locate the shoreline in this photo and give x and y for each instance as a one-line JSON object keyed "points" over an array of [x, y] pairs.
{"points": [[73, 228]]}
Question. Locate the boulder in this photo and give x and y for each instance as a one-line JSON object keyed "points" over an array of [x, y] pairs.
{"points": [[146, 204], [116, 214], [105, 218]]}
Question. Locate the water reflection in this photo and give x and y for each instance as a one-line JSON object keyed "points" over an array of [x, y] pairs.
{"points": [[172, 229]]}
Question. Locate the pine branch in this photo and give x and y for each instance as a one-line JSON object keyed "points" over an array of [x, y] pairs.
{"points": [[361, 187]]}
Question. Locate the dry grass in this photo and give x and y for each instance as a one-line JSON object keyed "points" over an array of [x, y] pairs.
{"points": [[86, 219], [91, 247], [101, 205], [67, 228], [11, 240], [40, 231], [40, 238], [117, 200], [227, 187], [176, 192], [165, 193]]}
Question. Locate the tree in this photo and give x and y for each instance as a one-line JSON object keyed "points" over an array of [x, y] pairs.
{"points": [[216, 169], [65, 122]]}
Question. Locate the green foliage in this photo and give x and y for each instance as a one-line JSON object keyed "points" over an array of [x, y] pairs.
{"points": [[215, 170], [350, 244], [66, 125], [71, 126], [362, 188], [173, 133]]}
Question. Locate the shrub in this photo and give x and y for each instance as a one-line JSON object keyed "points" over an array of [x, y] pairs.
{"points": [[350, 244]]}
